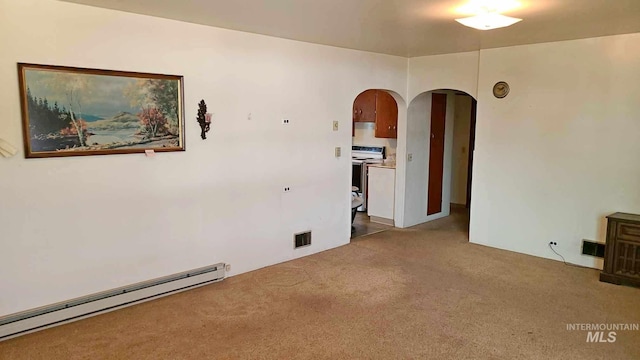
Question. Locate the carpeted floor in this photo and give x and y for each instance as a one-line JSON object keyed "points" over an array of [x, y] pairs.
{"points": [[419, 293]]}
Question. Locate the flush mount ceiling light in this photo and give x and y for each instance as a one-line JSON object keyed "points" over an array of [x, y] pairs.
{"points": [[488, 14], [488, 21]]}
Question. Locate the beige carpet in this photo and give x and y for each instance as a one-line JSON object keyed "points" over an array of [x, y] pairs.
{"points": [[420, 293]]}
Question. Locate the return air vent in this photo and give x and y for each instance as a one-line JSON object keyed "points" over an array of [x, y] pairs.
{"points": [[592, 248], [302, 239]]}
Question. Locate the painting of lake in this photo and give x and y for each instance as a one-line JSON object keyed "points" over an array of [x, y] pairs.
{"points": [[71, 111]]}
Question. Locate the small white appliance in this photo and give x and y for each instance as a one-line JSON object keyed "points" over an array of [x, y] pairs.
{"points": [[361, 156]]}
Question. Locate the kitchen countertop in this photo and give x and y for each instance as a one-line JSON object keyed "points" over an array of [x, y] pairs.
{"points": [[385, 164]]}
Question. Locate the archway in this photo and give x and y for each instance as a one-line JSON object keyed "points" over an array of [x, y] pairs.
{"points": [[371, 132], [439, 154]]}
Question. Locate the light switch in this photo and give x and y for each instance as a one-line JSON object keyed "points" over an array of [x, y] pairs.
{"points": [[409, 157], [335, 126], [338, 152]]}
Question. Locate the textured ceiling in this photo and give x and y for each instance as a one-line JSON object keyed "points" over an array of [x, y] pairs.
{"points": [[398, 27]]}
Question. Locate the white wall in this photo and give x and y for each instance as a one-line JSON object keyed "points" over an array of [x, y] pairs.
{"points": [[558, 154], [451, 71], [401, 159], [417, 171], [74, 226], [552, 159], [460, 158], [416, 174], [562, 150]]}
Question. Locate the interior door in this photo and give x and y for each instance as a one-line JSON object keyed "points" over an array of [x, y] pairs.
{"points": [[436, 153]]}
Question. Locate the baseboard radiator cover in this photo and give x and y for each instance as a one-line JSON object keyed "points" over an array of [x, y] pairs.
{"points": [[57, 314]]}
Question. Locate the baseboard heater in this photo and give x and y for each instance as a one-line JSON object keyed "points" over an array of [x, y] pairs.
{"points": [[90, 305]]}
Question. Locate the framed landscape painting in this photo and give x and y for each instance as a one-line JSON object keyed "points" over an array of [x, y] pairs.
{"points": [[73, 111]]}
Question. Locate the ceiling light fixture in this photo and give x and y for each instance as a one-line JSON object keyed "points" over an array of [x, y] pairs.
{"points": [[488, 20]]}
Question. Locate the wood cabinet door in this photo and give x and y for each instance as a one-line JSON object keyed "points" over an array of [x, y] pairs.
{"points": [[364, 107], [386, 115], [436, 153]]}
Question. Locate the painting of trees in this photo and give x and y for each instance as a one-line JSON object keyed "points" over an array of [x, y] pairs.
{"points": [[75, 89], [164, 96], [46, 119], [161, 94], [74, 111], [154, 122]]}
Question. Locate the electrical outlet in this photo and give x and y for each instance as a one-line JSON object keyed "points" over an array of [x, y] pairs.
{"points": [[335, 126], [249, 117], [285, 121], [409, 157], [553, 243], [338, 151], [227, 267], [286, 189]]}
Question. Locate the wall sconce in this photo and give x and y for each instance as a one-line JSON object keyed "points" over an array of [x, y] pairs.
{"points": [[204, 119]]}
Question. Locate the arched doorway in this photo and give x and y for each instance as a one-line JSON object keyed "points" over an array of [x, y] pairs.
{"points": [[439, 146], [375, 133]]}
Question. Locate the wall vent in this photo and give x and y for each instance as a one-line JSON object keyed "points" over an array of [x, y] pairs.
{"points": [[44, 317], [302, 239], [593, 248]]}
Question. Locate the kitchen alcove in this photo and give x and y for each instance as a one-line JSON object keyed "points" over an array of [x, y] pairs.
{"points": [[379, 107]]}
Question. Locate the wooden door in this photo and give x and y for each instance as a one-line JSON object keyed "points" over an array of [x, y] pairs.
{"points": [[386, 115], [364, 107], [436, 153]]}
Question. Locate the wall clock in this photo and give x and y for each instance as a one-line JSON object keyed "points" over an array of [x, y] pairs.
{"points": [[500, 89]]}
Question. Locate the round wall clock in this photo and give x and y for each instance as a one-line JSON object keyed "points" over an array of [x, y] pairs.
{"points": [[500, 89]]}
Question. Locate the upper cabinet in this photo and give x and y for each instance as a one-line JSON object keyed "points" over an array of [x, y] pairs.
{"points": [[364, 107], [386, 115], [380, 107]]}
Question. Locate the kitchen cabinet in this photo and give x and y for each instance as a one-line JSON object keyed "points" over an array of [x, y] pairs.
{"points": [[622, 252], [386, 115], [364, 107], [380, 107], [381, 197]]}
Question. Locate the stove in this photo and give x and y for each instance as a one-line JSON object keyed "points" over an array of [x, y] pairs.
{"points": [[361, 156], [367, 153]]}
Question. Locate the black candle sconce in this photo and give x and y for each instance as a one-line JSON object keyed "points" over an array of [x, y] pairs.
{"points": [[204, 119]]}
